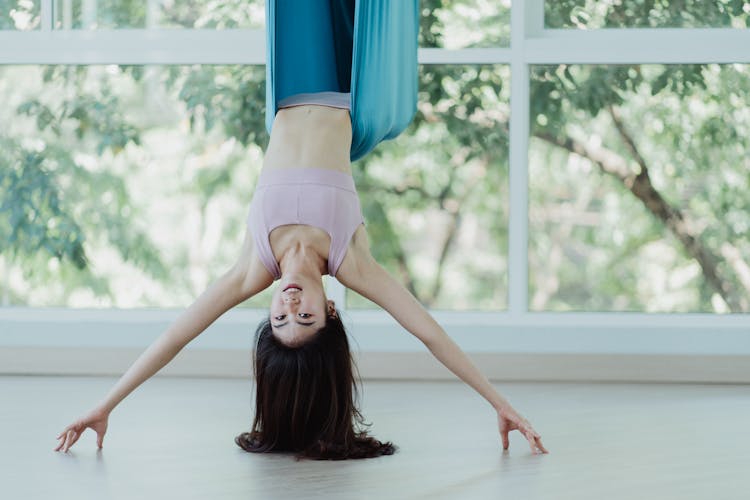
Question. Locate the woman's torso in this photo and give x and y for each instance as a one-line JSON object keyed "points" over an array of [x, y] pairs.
{"points": [[303, 137], [310, 136]]}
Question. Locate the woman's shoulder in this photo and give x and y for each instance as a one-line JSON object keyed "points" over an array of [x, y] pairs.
{"points": [[249, 269], [358, 259]]}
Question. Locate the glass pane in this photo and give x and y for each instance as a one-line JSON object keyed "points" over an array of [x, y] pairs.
{"points": [[639, 188], [435, 199], [593, 14], [457, 24], [112, 14], [128, 186], [125, 186], [19, 14]]}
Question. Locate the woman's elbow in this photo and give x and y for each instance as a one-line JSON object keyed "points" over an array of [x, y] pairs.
{"points": [[246, 281]]}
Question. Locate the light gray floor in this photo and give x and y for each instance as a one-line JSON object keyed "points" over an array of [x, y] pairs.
{"points": [[173, 438]]}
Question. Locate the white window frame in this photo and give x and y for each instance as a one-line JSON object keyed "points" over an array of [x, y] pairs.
{"points": [[516, 330]]}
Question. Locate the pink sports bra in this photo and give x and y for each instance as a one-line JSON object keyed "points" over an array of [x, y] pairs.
{"points": [[319, 197]]}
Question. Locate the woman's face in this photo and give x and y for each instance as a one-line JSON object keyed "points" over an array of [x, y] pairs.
{"points": [[299, 309]]}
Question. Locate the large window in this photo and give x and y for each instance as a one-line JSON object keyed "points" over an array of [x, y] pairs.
{"points": [[440, 192], [128, 185], [125, 186], [639, 188], [566, 155]]}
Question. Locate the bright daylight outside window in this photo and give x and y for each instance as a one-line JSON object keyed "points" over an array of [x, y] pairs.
{"points": [[440, 192], [199, 14], [19, 14], [593, 14], [639, 188], [129, 185], [638, 173]]}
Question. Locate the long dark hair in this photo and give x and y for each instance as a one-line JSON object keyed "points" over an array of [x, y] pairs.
{"points": [[305, 398]]}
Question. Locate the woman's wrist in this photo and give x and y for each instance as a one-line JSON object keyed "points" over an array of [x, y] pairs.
{"points": [[102, 409], [500, 403]]}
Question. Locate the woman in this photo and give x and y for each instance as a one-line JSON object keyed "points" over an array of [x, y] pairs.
{"points": [[305, 221], [304, 134]]}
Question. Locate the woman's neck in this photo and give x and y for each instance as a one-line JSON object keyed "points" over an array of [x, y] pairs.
{"points": [[301, 259]]}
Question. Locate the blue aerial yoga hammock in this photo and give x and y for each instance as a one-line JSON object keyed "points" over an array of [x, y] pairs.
{"points": [[368, 49]]}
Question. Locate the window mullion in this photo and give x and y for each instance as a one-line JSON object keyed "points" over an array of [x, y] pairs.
{"points": [[518, 177], [46, 17], [533, 18]]}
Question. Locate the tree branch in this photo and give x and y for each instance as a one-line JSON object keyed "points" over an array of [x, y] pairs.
{"points": [[640, 185], [452, 232]]}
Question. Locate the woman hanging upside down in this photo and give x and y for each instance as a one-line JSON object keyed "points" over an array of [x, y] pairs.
{"points": [[305, 221]]}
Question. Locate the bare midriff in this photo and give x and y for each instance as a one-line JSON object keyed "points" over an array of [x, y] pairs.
{"points": [[310, 136]]}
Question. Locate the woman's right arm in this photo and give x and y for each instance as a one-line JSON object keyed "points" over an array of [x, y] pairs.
{"points": [[245, 279], [365, 276]]}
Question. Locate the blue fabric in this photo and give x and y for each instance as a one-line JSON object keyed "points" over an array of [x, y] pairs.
{"points": [[368, 48]]}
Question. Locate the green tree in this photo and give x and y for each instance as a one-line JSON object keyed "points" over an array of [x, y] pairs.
{"points": [[683, 183]]}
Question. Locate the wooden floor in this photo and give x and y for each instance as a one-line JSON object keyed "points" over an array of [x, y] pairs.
{"points": [[173, 438]]}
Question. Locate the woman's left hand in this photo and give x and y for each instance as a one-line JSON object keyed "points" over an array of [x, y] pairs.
{"points": [[509, 419]]}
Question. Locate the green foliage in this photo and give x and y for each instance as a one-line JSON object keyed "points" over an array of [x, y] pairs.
{"points": [[109, 13], [212, 14], [54, 205], [686, 127], [232, 98], [449, 165], [33, 217], [24, 10], [202, 14], [681, 118], [435, 200], [457, 24], [645, 13]]}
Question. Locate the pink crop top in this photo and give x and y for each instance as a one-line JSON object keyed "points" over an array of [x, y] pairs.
{"points": [[319, 197]]}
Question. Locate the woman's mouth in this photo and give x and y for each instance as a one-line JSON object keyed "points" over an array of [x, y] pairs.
{"points": [[293, 287]]}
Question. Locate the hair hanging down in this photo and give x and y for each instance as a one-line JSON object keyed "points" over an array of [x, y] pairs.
{"points": [[305, 399]]}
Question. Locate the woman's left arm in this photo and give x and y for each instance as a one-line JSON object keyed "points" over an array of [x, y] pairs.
{"points": [[371, 280]]}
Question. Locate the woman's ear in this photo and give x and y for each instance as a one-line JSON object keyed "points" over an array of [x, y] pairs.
{"points": [[331, 308]]}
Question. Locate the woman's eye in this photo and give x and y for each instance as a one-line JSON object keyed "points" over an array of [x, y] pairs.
{"points": [[280, 317], [304, 315]]}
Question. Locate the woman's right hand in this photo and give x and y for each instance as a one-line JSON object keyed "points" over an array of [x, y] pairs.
{"points": [[509, 419], [96, 419]]}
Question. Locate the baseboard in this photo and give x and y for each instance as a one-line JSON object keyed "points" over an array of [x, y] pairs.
{"points": [[542, 367]]}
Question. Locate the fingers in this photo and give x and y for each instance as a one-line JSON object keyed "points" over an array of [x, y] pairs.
{"points": [[532, 443], [506, 441], [510, 420], [68, 441], [524, 427], [100, 439], [75, 437], [69, 436], [540, 445], [535, 441], [63, 437], [503, 428]]}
